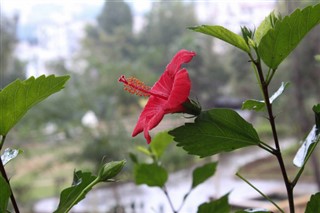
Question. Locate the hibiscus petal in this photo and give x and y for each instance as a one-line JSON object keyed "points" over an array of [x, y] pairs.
{"points": [[179, 93], [153, 122], [164, 85], [181, 57], [152, 107]]}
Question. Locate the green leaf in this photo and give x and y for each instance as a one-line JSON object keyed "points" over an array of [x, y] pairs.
{"points": [[82, 184], [10, 154], [258, 105], [287, 33], [221, 205], [5, 194], [150, 174], [253, 105], [316, 110], [264, 27], [133, 157], [302, 153], [144, 150], [314, 204], [215, 131], [159, 143], [202, 173], [19, 96], [223, 34]]}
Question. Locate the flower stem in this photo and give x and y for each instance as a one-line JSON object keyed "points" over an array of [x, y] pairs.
{"points": [[4, 175]]}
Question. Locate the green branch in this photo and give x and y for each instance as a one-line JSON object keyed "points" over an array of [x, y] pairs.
{"points": [[4, 175]]}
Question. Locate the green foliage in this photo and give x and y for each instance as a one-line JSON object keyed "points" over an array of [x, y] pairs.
{"points": [[287, 33], [264, 27], [221, 205], [114, 15], [5, 193], [160, 143], [316, 110], [164, 26], [18, 97], [253, 105], [83, 182], [223, 34], [150, 174], [81, 185], [202, 173], [215, 131], [314, 204], [9, 154], [11, 67]]}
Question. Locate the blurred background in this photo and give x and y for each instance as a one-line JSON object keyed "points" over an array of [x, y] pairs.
{"points": [[95, 42]]}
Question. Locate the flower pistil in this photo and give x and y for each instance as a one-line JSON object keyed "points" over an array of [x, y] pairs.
{"points": [[137, 87]]}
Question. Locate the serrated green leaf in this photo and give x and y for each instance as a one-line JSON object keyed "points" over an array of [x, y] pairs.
{"points": [[303, 151], [314, 204], [5, 194], [10, 154], [215, 131], [159, 143], [263, 28], [259, 105], [223, 34], [202, 173], [82, 184], [150, 174], [281, 40], [19, 96], [221, 205]]}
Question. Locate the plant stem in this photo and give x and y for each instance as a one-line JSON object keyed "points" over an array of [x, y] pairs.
{"points": [[266, 147], [277, 153], [261, 193], [4, 174], [164, 189]]}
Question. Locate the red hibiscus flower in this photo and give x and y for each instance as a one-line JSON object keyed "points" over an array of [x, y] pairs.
{"points": [[168, 95]]}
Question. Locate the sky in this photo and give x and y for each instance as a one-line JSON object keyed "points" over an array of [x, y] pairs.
{"points": [[58, 25]]}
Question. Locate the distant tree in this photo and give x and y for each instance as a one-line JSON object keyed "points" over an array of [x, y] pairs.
{"points": [[165, 24], [115, 14], [10, 67]]}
